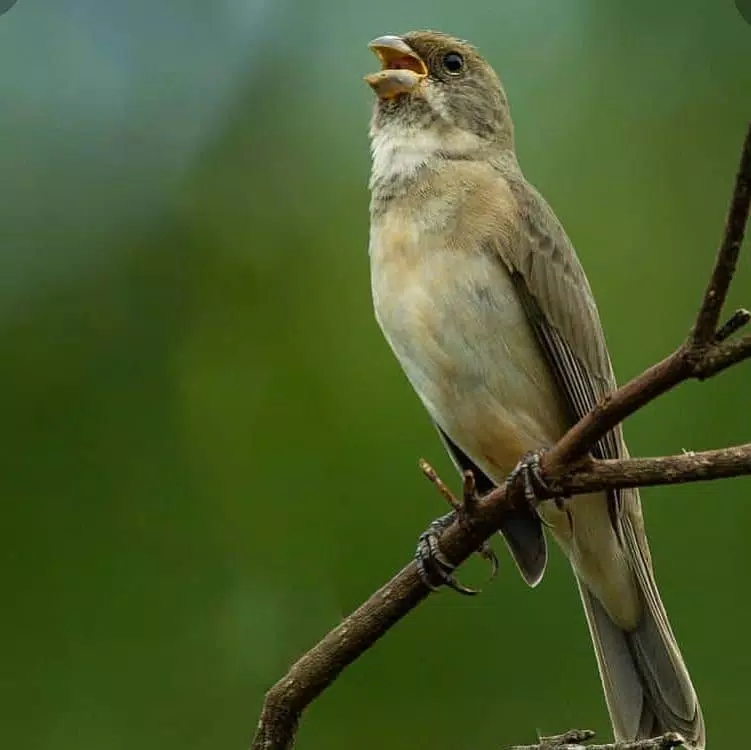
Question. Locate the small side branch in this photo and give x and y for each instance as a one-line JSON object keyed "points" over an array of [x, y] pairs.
{"points": [[595, 475]]}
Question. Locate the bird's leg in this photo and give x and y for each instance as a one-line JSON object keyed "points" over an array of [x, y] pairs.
{"points": [[435, 569], [535, 486], [530, 472]]}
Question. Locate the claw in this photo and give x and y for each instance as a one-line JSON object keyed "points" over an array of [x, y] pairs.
{"points": [[435, 569], [487, 553]]}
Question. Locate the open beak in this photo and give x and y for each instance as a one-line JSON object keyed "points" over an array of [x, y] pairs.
{"points": [[401, 68]]}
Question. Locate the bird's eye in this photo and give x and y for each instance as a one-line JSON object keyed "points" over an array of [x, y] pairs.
{"points": [[453, 62]]}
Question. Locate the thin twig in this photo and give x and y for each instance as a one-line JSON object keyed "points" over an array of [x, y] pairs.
{"points": [[439, 484], [736, 321], [727, 257], [646, 472]]}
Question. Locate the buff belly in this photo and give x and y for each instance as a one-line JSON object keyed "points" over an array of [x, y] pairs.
{"points": [[462, 337]]}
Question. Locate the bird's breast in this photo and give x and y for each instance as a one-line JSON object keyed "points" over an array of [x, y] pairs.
{"points": [[453, 318]]}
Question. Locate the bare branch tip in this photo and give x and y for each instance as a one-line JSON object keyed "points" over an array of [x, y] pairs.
{"points": [[737, 321], [704, 331], [426, 469], [434, 479]]}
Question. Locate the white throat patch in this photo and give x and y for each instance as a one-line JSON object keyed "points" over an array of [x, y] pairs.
{"points": [[399, 151]]}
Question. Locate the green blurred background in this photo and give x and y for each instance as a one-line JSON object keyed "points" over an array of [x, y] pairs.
{"points": [[208, 453]]}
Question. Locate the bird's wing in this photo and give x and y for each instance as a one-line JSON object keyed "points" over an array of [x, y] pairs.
{"points": [[562, 312], [560, 307]]}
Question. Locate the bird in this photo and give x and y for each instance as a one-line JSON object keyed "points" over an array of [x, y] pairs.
{"points": [[482, 298]]}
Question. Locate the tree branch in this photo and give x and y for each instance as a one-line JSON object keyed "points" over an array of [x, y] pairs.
{"points": [[566, 470], [572, 741], [594, 475], [727, 257]]}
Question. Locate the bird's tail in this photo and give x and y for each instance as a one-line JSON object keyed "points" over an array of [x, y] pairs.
{"points": [[647, 686]]}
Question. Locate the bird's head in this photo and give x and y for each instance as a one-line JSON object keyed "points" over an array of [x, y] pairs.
{"points": [[433, 82]]}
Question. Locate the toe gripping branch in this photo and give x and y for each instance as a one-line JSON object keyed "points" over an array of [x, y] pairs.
{"points": [[530, 472], [435, 569]]}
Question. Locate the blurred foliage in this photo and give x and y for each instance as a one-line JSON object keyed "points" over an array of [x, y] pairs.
{"points": [[209, 454]]}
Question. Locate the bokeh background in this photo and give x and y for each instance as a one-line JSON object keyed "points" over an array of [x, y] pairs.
{"points": [[208, 453]]}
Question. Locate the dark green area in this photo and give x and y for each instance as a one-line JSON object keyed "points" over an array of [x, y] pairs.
{"points": [[209, 455]]}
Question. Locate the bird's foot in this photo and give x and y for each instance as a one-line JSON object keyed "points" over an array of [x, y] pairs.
{"points": [[535, 486], [435, 568], [528, 468]]}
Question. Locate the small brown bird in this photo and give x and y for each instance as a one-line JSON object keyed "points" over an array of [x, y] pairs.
{"points": [[482, 298]]}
